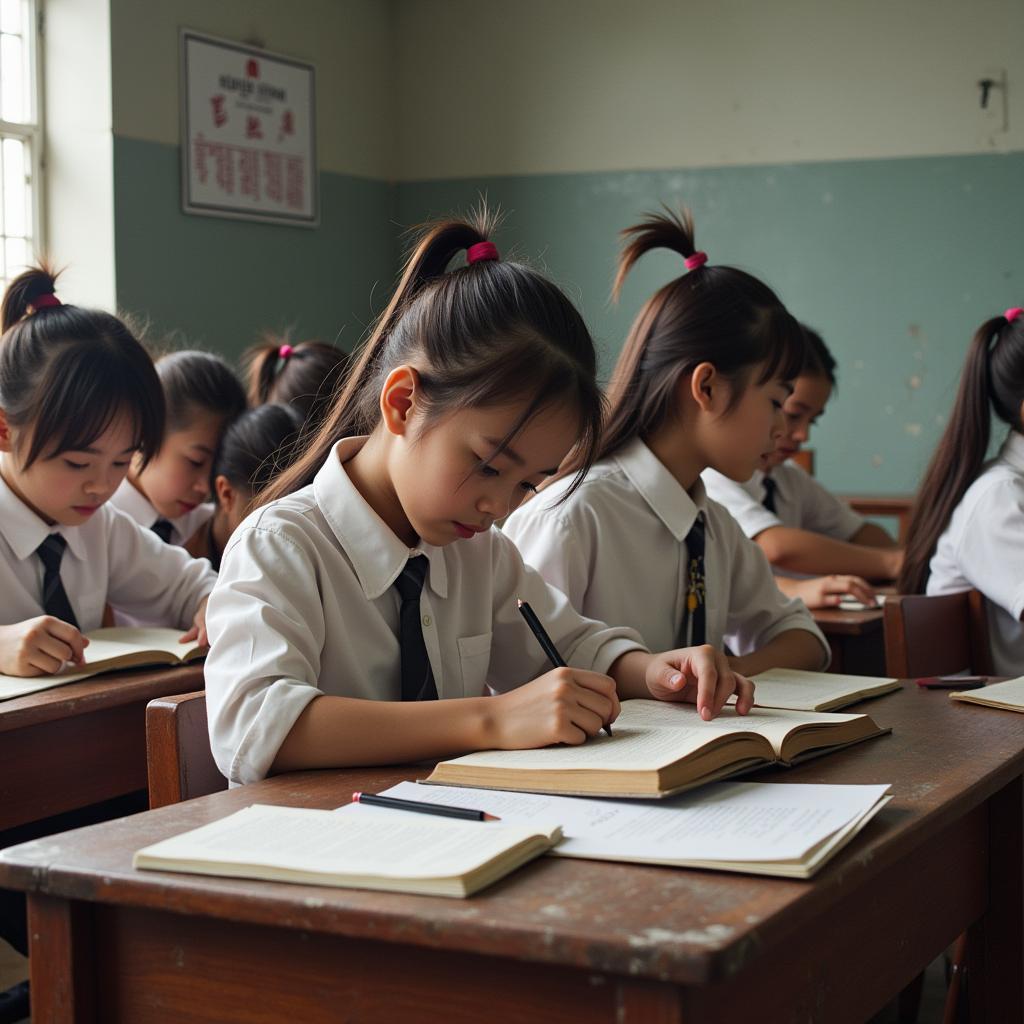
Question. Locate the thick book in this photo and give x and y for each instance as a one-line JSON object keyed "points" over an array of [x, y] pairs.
{"points": [[108, 650], [660, 748], [1008, 696], [760, 828], [391, 851], [795, 690]]}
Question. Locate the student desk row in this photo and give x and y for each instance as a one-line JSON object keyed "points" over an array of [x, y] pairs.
{"points": [[560, 940], [80, 744]]}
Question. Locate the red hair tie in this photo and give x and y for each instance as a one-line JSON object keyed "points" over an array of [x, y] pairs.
{"points": [[482, 251], [44, 301], [1012, 313], [284, 351], [696, 261]]}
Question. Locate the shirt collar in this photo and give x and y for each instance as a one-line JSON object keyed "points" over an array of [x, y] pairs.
{"points": [[668, 499], [377, 555], [131, 500], [1012, 450], [24, 531]]}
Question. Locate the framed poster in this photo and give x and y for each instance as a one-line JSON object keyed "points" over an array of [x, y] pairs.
{"points": [[248, 133]]}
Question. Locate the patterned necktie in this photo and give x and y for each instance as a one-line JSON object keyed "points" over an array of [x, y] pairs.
{"points": [[694, 626], [55, 598], [163, 529], [417, 676], [769, 493]]}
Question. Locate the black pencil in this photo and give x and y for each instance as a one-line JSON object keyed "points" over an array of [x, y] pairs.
{"points": [[546, 643], [421, 807]]}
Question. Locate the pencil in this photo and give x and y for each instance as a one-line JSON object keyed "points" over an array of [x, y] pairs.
{"points": [[546, 643], [421, 807]]}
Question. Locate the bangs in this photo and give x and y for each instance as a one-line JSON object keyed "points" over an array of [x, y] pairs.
{"points": [[784, 346], [86, 389]]}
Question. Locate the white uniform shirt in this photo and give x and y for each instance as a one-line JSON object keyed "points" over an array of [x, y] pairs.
{"points": [[133, 502], [800, 502], [983, 548], [304, 606], [617, 548], [107, 558]]}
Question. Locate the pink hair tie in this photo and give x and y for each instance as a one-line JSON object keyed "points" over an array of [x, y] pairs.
{"points": [[696, 261], [284, 351], [1012, 313], [482, 251], [45, 301]]}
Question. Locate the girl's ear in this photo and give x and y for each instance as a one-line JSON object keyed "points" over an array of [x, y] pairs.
{"points": [[706, 385], [6, 445], [224, 493], [398, 399]]}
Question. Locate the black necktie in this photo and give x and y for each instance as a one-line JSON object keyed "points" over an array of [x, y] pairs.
{"points": [[163, 528], [55, 598], [696, 592], [769, 493], [417, 677]]}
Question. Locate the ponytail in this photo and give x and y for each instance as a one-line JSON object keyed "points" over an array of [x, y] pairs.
{"points": [[488, 333], [992, 380]]}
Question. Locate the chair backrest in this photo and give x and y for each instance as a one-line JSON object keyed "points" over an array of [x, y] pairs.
{"points": [[179, 761], [935, 636]]}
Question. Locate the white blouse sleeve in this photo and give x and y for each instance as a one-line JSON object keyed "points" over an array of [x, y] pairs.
{"points": [[752, 516]]}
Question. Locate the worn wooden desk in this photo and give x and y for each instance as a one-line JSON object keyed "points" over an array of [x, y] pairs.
{"points": [[560, 940], [80, 744], [857, 640]]}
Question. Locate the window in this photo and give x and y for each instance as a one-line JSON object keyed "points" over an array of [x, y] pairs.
{"points": [[21, 137]]}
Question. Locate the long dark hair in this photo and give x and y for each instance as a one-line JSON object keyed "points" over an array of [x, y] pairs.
{"points": [[304, 375], [992, 381], [67, 373], [488, 333], [256, 447], [818, 360], [712, 313]]}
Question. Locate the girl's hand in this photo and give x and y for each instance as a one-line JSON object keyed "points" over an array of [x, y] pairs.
{"points": [[565, 705], [700, 675], [828, 591], [198, 630], [39, 647]]}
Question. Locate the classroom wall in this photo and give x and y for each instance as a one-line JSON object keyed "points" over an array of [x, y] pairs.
{"points": [[221, 281], [839, 151]]}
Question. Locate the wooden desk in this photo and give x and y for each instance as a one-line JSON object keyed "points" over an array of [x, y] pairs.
{"points": [[857, 640], [891, 506], [559, 940], [79, 744]]}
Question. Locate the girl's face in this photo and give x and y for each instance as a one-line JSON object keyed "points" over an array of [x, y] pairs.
{"points": [[69, 487], [801, 410], [177, 478], [737, 442], [444, 492]]}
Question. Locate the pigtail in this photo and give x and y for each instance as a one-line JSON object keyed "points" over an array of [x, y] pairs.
{"points": [[260, 365], [958, 458], [23, 291]]}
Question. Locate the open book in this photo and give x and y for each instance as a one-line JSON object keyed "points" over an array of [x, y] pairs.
{"points": [[1008, 696], [392, 851], [110, 649], [796, 690], [660, 748], [759, 828]]}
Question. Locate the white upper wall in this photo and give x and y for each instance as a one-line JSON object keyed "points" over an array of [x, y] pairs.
{"points": [[349, 42], [542, 86]]}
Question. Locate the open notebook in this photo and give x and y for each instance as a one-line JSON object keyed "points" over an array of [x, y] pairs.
{"points": [[110, 649], [660, 748], [760, 828], [393, 851], [1008, 696], [796, 690]]}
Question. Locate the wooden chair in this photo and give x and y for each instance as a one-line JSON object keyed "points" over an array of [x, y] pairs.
{"points": [[179, 761], [936, 636]]}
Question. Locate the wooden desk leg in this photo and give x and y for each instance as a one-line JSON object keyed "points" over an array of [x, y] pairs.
{"points": [[646, 1002], [995, 953], [61, 967]]}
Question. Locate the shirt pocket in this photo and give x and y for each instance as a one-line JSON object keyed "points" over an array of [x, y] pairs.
{"points": [[474, 660]]}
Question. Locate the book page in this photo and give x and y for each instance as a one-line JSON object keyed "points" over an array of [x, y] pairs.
{"points": [[1010, 694], [392, 845], [804, 691], [105, 644], [726, 821]]}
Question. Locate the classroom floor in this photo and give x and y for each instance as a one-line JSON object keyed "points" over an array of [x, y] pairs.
{"points": [[13, 968]]}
